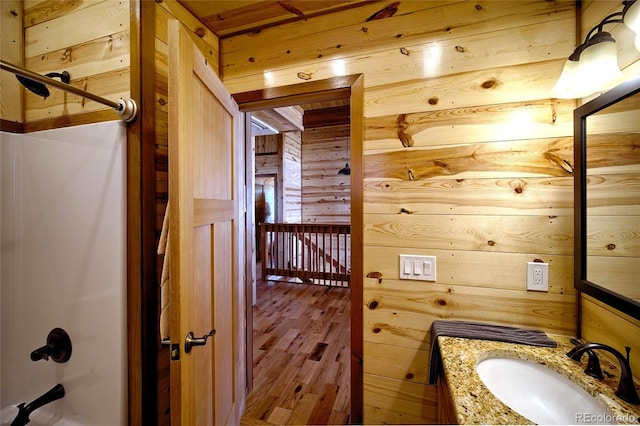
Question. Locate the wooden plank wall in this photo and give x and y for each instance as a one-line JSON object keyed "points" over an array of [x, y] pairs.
{"points": [[267, 144], [326, 195], [599, 322], [292, 179], [208, 45], [89, 39], [466, 158], [11, 50], [310, 189]]}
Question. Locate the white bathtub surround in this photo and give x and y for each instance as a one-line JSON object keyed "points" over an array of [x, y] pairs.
{"points": [[63, 264]]}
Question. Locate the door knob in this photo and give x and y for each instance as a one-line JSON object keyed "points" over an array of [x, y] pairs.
{"points": [[191, 340]]}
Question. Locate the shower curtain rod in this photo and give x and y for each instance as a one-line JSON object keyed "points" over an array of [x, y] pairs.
{"points": [[127, 109]]}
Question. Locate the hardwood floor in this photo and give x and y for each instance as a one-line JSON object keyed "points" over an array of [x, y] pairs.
{"points": [[301, 355]]}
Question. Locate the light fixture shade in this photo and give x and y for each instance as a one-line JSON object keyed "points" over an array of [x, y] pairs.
{"points": [[632, 21], [599, 68], [632, 17], [565, 87]]}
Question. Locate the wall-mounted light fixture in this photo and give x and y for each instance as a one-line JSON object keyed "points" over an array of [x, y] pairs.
{"points": [[346, 170], [593, 66]]}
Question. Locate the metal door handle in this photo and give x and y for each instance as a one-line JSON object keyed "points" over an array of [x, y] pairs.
{"points": [[190, 340]]}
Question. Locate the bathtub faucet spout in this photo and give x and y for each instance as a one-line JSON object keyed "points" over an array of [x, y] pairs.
{"points": [[24, 411]]}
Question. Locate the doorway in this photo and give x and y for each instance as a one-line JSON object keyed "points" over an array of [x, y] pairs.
{"points": [[349, 87]]}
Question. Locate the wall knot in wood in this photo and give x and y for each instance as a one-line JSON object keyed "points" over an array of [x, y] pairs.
{"points": [[377, 275], [385, 12], [291, 9], [402, 124], [440, 302], [560, 162], [490, 84]]}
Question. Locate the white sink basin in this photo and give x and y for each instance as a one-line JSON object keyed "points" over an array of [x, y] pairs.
{"points": [[539, 393]]}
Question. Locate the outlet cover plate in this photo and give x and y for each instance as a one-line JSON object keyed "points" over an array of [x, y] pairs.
{"points": [[537, 276]]}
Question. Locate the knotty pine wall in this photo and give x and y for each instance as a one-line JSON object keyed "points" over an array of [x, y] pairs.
{"points": [[466, 157], [292, 177], [88, 39], [309, 187], [326, 195], [599, 322], [11, 50]]}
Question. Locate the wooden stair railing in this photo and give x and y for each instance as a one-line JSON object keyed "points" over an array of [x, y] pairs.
{"points": [[313, 253], [327, 255]]}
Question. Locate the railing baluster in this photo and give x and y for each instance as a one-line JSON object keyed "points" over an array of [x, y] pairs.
{"points": [[331, 265], [310, 248], [322, 253], [324, 257], [278, 256], [289, 249], [338, 234], [301, 246]]}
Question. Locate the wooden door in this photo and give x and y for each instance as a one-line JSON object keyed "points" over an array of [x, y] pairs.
{"points": [[205, 228]]}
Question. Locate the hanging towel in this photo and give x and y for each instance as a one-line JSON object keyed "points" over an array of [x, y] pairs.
{"points": [[163, 248], [476, 330]]}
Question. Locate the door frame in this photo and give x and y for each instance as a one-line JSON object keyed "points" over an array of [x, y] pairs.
{"points": [[345, 87]]}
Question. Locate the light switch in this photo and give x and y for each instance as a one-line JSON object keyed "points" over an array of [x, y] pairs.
{"points": [[414, 267]]}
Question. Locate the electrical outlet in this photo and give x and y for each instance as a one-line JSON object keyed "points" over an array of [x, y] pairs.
{"points": [[537, 276]]}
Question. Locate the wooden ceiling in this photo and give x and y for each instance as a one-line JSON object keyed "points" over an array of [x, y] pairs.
{"points": [[227, 18]]}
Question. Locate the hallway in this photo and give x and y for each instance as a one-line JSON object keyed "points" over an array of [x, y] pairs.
{"points": [[301, 355]]}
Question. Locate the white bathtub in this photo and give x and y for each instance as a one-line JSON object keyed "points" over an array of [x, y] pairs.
{"points": [[45, 416], [63, 264]]}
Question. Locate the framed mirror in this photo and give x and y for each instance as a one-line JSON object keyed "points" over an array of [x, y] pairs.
{"points": [[607, 197]]}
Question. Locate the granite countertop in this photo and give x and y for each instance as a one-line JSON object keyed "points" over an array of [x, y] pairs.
{"points": [[475, 404]]}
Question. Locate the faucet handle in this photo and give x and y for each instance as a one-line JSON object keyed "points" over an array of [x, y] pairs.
{"points": [[593, 366], [58, 347]]}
